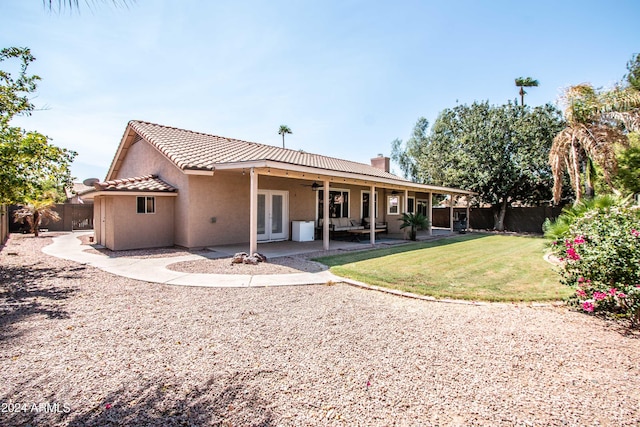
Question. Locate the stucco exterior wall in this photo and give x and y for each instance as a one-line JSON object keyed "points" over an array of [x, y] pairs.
{"points": [[301, 196], [143, 159], [127, 229], [393, 225], [225, 197]]}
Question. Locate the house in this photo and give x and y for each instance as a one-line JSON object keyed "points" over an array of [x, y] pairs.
{"points": [[169, 186]]}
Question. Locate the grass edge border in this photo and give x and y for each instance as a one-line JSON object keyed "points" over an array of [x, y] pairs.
{"points": [[397, 292]]}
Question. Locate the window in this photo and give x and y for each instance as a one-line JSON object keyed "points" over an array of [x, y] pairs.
{"points": [[366, 205], [146, 205], [338, 203], [411, 205], [393, 205]]}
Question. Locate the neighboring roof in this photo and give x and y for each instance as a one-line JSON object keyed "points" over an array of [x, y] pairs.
{"points": [[149, 183], [190, 150], [78, 189]]}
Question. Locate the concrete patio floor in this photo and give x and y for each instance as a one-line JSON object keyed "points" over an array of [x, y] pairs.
{"points": [[291, 248]]}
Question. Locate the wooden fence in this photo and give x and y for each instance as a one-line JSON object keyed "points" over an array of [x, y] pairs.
{"points": [[72, 217], [520, 220]]}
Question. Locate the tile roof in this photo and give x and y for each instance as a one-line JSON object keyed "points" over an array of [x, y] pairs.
{"points": [[138, 183], [80, 188], [191, 150]]}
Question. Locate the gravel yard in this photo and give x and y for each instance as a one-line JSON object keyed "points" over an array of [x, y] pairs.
{"points": [[82, 347], [216, 263], [279, 265]]}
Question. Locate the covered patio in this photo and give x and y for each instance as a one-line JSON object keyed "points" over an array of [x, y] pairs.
{"points": [[292, 248], [396, 194]]}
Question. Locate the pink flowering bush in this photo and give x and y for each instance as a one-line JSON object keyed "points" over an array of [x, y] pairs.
{"points": [[600, 255]]}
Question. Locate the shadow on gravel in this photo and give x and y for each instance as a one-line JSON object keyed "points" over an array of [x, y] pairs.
{"points": [[227, 399], [625, 328], [30, 290]]}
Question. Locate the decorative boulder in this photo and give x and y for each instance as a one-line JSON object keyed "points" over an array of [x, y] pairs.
{"points": [[252, 260], [239, 258], [260, 257]]}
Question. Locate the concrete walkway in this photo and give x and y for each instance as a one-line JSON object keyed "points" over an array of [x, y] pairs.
{"points": [[155, 270]]}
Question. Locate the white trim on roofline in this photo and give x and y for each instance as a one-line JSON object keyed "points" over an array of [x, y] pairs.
{"points": [[326, 172], [131, 193]]}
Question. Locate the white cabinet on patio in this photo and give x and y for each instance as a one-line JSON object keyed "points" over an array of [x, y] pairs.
{"points": [[302, 231]]}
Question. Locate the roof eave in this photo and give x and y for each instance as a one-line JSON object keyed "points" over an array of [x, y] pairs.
{"points": [[131, 193], [322, 172], [125, 143]]}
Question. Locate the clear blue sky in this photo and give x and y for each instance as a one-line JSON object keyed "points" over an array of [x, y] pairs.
{"points": [[347, 76]]}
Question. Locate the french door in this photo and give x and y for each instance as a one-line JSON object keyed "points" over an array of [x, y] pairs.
{"points": [[273, 215], [423, 207]]}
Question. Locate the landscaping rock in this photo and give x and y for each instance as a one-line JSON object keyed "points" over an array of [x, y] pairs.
{"points": [[251, 260], [239, 258], [260, 257]]}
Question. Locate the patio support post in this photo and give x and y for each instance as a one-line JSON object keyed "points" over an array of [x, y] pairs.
{"points": [[372, 215], [430, 214], [253, 212], [468, 212], [406, 201], [325, 215], [451, 212], [405, 205]]}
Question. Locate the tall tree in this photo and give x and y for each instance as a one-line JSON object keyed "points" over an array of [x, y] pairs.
{"points": [[14, 92], [598, 123], [627, 180], [500, 152], [633, 75], [284, 129], [29, 163], [523, 82]]}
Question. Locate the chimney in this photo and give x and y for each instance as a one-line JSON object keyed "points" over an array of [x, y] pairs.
{"points": [[381, 162]]}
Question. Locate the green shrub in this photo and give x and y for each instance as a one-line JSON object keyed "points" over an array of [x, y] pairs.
{"points": [[600, 256]]}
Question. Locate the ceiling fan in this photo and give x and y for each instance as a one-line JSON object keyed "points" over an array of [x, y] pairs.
{"points": [[313, 186]]}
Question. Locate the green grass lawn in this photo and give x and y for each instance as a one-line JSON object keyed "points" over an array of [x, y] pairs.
{"points": [[470, 267]]}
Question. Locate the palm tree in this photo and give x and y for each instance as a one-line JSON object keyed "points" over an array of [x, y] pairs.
{"points": [[415, 221], [597, 123], [561, 226], [523, 82], [36, 213], [284, 129]]}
